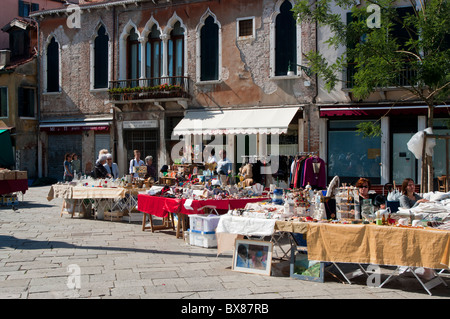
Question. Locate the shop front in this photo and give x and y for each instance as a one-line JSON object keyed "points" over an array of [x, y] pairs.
{"points": [[82, 137], [266, 135], [384, 158]]}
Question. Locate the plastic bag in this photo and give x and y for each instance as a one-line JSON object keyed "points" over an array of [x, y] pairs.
{"points": [[394, 196], [415, 144]]}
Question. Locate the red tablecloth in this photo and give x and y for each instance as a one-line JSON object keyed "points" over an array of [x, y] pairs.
{"points": [[161, 206], [14, 185]]}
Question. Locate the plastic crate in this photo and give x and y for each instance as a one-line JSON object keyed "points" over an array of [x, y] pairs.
{"points": [[202, 239], [203, 223]]}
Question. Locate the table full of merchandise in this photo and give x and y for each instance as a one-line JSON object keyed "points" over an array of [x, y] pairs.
{"points": [[107, 202], [166, 207], [336, 242]]}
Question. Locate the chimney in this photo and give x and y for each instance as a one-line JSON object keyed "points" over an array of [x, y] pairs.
{"points": [[5, 56]]}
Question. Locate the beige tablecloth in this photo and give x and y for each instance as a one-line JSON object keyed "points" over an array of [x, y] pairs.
{"points": [[81, 192], [292, 227], [60, 191], [382, 245]]}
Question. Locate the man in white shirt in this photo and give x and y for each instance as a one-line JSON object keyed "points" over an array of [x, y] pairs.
{"points": [[224, 168], [136, 162]]}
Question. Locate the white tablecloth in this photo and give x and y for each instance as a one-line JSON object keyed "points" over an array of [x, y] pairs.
{"points": [[246, 226]]}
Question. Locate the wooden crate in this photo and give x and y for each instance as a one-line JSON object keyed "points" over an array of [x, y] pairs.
{"points": [[115, 216], [21, 174], [9, 175]]}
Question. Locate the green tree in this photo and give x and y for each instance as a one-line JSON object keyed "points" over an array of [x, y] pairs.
{"points": [[385, 47]]}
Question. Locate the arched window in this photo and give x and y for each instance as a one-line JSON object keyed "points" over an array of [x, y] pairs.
{"points": [[176, 54], [53, 66], [101, 59], [209, 50], [285, 40], [153, 59], [134, 57]]}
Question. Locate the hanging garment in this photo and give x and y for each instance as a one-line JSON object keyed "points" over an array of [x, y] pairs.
{"points": [[314, 172]]}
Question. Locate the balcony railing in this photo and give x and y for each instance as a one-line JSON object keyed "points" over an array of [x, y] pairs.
{"points": [[404, 78], [172, 88]]}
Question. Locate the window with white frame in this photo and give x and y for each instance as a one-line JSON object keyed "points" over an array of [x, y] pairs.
{"points": [[153, 60], [285, 40], [134, 57], [175, 60], [245, 28]]}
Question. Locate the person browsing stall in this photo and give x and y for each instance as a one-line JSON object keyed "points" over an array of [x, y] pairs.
{"points": [[151, 171], [136, 162], [409, 198], [111, 167], [76, 164], [100, 170], [224, 167], [68, 171]]}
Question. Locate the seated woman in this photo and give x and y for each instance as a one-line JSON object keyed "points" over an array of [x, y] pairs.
{"points": [[409, 198], [363, 184]]}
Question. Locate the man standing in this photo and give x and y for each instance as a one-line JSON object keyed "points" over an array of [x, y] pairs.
{"points": [[224, 168], [136, 162]]}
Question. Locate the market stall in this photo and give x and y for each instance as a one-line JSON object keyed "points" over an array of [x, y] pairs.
{"points": [[108, 202], [375, 238], [12, 182], [160, 206]]}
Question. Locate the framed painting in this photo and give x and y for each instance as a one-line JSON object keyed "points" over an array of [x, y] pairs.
{"points": [[253, 256], [300, 266]]}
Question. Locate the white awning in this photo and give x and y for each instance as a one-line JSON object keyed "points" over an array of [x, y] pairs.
{"points": [[249, 121]]}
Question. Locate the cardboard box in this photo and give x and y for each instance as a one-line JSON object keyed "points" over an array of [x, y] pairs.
{"points": [[9, 175], [21, 174]]}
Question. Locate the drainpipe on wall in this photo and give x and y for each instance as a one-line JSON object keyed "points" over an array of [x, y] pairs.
{"points": [[38, 98]]}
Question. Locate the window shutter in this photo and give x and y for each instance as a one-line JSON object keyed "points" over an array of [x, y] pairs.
{"points": [[20, 101]]}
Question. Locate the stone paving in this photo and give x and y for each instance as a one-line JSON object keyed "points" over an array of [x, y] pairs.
{"points": [[43, 255]]}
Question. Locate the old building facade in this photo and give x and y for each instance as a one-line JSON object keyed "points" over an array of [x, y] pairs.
{"points": [[19, 107], [127, 75]]}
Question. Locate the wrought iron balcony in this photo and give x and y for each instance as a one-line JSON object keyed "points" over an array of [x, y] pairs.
{"points": [[403, 78], [148, 90]]}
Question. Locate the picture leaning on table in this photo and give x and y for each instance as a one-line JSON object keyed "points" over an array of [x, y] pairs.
{"points": [[409, 198]]}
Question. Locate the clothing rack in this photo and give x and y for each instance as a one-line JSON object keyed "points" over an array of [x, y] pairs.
{"points": [[306, 153]]}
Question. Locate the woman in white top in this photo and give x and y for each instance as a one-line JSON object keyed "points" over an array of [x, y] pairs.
{"points": [[136, 162]]}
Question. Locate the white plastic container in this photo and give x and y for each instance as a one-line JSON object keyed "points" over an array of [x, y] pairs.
{"points": [[202, 239], [203, 223]]}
